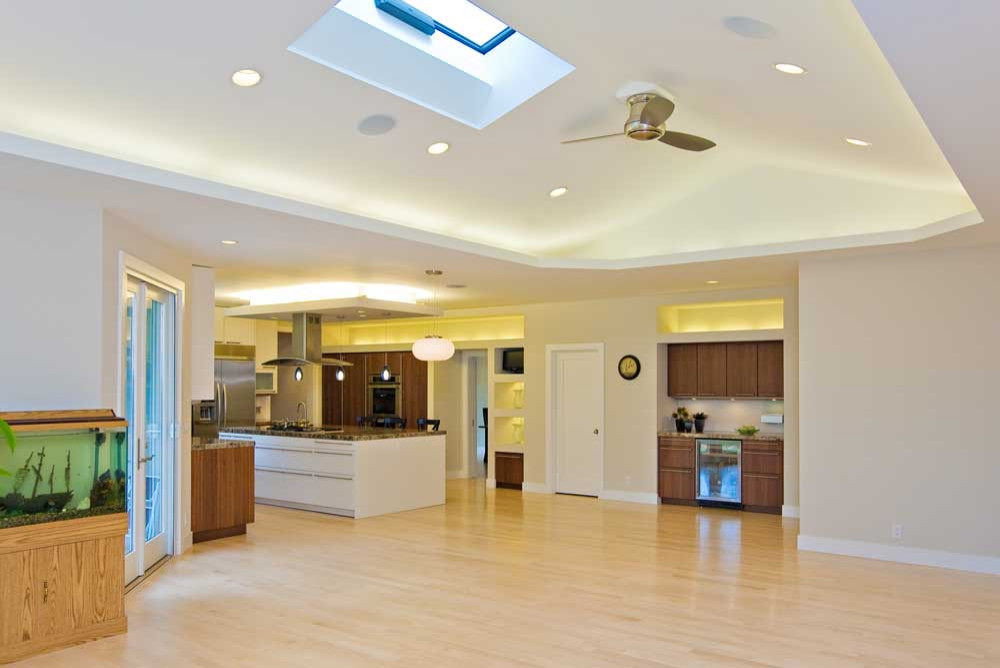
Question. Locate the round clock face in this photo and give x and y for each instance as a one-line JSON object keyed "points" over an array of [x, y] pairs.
{"points": [[629, 367]]}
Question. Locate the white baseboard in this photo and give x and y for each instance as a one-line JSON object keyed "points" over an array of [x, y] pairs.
{"points": [[789, 511], [900, 553], [536, 487], [630, 497], [491, 483]]}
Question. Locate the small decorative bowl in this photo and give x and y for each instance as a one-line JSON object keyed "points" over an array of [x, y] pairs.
{"points": [[747, 430]]}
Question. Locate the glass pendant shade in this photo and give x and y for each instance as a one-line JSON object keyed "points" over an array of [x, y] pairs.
{"points": [[298, 373], [433, 349], [340, 373], [386, 373]]}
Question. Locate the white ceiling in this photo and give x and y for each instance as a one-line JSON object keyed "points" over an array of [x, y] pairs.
{"points": [[149, 83]]}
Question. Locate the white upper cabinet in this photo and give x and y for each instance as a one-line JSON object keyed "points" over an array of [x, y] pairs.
{"points": [[234, 330], [266, 340]]}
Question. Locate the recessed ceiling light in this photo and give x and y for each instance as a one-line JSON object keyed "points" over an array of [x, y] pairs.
{"points": [[379, 124], [789, 68], [438, 148], [857, 142], [713, 282], [230, 242], [744, 26], [559, 192], [246, 78]]}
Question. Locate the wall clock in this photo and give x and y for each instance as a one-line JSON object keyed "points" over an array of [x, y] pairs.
{"points": [[629, 367]]}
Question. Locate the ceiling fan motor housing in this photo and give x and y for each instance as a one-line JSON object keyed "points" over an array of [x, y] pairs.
{"points": [[635, 128]]}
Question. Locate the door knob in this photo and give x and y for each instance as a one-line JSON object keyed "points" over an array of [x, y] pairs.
{"points": [[595, 432]]}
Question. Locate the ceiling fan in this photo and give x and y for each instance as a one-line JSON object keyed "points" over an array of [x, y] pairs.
{"points": [[647, 118]]}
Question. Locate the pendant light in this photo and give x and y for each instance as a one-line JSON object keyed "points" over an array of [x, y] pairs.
{"points": [[340, 375], [433, 348], [386, 373], [298, 374]]}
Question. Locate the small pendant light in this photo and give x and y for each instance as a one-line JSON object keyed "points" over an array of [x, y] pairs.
{"points": [[433, 348], [298, 374], [340, 375], [386, 373]]}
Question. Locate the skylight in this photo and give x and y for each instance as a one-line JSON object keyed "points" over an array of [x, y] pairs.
{"points": [[465, 22]]}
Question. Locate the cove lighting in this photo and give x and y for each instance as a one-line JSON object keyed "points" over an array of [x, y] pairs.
{"points": [[309, 292]]}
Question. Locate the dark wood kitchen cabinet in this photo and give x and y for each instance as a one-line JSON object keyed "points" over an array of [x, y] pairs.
{"points": [[741, 369], [676, 475], [771, 369], [763, 476], [345, 401], [711, 370], [682, 369]]}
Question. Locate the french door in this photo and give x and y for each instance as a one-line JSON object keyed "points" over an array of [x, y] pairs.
{"points": [[149, 398]]}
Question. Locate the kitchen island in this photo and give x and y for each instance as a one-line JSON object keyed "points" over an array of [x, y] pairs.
{"points": [[350, 471]]}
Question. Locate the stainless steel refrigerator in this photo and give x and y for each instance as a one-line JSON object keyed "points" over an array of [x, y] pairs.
{"points": [[235, 385]]}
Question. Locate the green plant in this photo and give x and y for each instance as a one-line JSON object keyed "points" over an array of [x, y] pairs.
{"points": [[700, 416], [681, 414], [11, 438], [747, 430]]}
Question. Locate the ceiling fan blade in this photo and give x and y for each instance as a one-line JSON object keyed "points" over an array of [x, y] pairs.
{"points": [[577, 141], [657, 111], [686, 141]]}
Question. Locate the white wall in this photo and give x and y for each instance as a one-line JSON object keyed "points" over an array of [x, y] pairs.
{"points": [[51, 295], [899, 368]]}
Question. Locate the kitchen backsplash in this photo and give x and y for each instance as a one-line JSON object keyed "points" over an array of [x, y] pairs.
{"points": [[726, 415]]}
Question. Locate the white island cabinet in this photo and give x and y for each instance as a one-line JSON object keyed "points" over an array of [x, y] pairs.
{"points": [[363, 475]]}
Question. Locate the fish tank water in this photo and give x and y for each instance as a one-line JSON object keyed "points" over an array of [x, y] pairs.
{"points": [[64, 474]]}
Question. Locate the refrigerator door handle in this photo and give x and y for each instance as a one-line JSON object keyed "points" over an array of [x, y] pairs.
{"points": [[225, 404]]}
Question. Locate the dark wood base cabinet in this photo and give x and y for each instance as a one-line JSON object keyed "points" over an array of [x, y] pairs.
{"points": [[509, 469], [222, 492], [763, 474], [677, 471]]}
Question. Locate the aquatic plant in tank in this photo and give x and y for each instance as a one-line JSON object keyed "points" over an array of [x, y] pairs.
{"points": [[61, 474]]}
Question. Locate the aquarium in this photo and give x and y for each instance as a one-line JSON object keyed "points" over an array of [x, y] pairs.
{"points": [[63, 474]]}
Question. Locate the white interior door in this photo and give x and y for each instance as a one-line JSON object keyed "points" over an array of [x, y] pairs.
{"points": [[578, 385], [149, 398]]}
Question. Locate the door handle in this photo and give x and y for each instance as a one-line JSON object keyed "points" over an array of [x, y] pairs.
{"points": [[143, 460], [596, 431]]}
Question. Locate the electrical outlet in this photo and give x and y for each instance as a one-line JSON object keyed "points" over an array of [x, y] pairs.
{"points": [[897, 531]]}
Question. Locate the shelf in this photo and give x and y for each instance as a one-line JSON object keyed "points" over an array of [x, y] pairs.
{"points": [[501, 377]]}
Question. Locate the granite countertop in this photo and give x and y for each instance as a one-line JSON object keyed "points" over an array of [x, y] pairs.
{"points": [[328, 433], [729, 435], [217, 444]]}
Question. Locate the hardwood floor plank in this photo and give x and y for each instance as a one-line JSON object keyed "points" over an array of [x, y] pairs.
{"points": [[500, 578]]}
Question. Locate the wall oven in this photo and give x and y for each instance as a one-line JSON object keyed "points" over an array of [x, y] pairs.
{"points": [[385, 397]]}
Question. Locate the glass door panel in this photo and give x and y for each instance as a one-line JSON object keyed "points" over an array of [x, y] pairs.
{"points": [[719, 471], [129, 414]]}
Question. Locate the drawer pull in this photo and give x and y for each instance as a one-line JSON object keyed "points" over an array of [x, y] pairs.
{"points": [[334, 477], [289, 472], [327, 452], [280, 449]]}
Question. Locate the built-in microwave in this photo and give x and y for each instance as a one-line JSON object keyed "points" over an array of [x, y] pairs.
{"points": [[267, 380]]}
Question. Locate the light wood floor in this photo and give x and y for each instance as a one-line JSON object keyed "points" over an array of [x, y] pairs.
{"points": [[496, 578]]}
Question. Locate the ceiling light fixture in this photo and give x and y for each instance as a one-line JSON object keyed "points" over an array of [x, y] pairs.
{"points": [[438, 148], [558, 192], [712, 282], [433, 348], [246, 78], [857, 142], [790, 68], [230, 242]]}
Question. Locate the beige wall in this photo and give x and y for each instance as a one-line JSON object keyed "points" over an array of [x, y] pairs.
{"points": [[448, 391], [51, 295], [899, 366]]}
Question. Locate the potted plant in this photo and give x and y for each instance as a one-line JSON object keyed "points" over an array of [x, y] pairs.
{"points": [[8, 435], [699, 422], [682, 420], [747, 430]]}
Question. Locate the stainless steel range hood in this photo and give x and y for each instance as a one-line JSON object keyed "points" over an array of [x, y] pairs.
{"points": [[307, 343]]}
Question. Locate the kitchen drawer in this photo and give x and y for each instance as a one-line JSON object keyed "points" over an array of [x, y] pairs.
{"points": [[677, 484], [770, 446], [676, 458], [762, 492], [673, 442], [767, 462], [305, 489], [305, 459]]}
